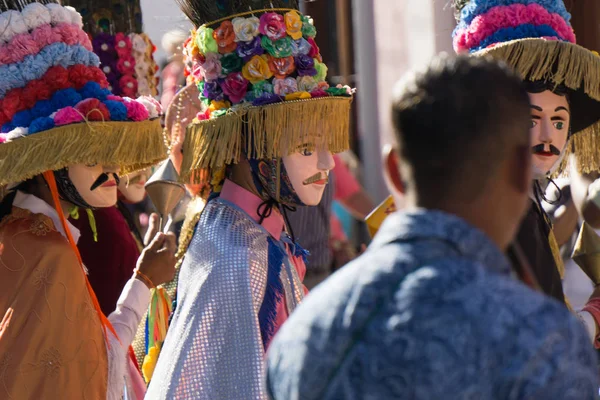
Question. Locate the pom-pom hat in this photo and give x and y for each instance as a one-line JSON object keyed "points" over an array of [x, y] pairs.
{"points": [[55, 106], [260, 74], [535, 37]]}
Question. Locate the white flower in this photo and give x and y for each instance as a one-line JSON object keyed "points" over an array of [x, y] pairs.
{"points": [[11, 24], [76, 18], [306, 83], [59, 14], [245, 29], [35, 15]]}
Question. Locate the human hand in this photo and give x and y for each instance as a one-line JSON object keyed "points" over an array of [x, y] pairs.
{"points": [[157, 261]]}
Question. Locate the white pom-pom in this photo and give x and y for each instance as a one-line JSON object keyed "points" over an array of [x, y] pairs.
{"points": [[59, 14], [76, 18], [35, 14], [11, 23], [17, 133], [151, 105]]}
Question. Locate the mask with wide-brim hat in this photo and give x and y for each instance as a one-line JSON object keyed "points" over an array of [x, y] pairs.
{"points": [[260, 74], [55, 106], [537, 40]]}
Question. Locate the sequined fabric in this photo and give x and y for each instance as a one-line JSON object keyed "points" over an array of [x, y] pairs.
{"points": [[214, 349]]}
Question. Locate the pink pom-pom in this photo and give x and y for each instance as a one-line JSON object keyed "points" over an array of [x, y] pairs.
{"points": [[69, 33], [115, 98], [136, 111], [66, 116], [45, 36], [2, 137]]}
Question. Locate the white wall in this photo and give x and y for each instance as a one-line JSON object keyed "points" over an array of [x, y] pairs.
{"points": [[161, 16]]}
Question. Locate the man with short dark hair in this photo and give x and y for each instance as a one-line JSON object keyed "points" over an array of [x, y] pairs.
{"points": [[431, 310]]}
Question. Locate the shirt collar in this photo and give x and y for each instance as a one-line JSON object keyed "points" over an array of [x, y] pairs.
{"points": [[432, 224], [249, 203], [38, 206]]}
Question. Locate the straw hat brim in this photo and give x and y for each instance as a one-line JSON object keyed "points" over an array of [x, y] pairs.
{"points": [[129, 145]]}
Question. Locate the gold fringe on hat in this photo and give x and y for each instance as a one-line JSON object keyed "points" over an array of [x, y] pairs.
{"points": [[130, 145], [566, 64], [276, 130]]}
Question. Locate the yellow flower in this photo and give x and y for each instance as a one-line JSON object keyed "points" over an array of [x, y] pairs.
{"points": [[218, 105], [149, 363], [257, 69], [595, 53], [293, 25], [297, 96]]}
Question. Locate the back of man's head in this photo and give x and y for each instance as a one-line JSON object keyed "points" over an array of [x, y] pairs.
{"points": [[458, 125]]}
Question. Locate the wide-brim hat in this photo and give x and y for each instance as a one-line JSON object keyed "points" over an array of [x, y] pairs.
{"points": [[260, 74], [536, 39], [55, 106]]}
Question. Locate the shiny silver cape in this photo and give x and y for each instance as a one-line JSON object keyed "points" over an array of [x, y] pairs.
{"points": [[213, 349]]}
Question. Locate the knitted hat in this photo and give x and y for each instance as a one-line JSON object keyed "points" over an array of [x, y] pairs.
{"points": [[260, 73], [55, 106], [535, 37]]}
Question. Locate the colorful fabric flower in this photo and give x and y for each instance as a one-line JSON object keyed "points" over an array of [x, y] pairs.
{"points": [[321, 71], [225, 37], [272, 26], [282, 67], [211, 90], [297, 96], [300, 46], [211, 68], [219, 105], [318, 93], [279, 48], [293, 24], [205, 41], [126, 65], [257, 69], [267, 98], [122, 45], [339, 91], [307, 83], [305, 65], [314, 52], [249, 49], [308, 29], [235, 87], [231, 63], [67, 115], [284, 86], [246, 29], [128, 85]]}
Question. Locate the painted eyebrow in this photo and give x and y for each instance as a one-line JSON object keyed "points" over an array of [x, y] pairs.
{"points": [[537, 107], [559, 108]]}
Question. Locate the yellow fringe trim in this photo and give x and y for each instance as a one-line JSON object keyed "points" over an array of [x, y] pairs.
{"points": [[130, 145], [277, 129], [562, 63]]}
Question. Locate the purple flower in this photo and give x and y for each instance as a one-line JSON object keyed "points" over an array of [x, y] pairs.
{"points": [[247, 50], [300, 46], [267, 98], [212, 90], [305, 65], [103, 43]]}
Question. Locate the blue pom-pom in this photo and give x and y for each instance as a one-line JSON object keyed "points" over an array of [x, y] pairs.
{"points": [[65, 98], [41, 124], [42, 108], [7, 128], [22, 118], [92, 90], [117, 110]]}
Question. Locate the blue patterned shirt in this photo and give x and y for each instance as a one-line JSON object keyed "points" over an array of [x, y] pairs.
{"points": [[430, 311]]}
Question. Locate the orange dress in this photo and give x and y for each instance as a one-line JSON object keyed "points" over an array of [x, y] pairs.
{"points": [[53, 347]]}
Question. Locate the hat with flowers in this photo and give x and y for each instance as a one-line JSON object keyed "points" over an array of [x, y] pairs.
{"points": [[261, 75], [55, 106], [535, 37]]}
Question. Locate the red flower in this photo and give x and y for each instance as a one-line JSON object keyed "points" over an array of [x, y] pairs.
{"points": [[235, 87], [225, 37], [314, 52], [57, 78], [122, 45], [128, 86], [272, 25], [79, 76], [93, 110], [126, 65], [282, 67]]}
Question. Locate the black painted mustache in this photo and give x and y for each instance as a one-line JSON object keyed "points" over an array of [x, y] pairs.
{"points": [[541, 148], [102, 179]]}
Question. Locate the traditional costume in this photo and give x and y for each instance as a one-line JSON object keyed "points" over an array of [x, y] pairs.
{"points": [[537, 40], [59, 121], [266, 139]]}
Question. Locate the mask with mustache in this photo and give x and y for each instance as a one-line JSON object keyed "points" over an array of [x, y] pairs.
{"points": [[69, 192], [541, 148]]}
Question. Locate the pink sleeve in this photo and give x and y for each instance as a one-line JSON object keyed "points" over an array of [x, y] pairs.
{"points": [[345, 183]]}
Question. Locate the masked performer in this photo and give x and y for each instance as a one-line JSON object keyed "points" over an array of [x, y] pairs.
{"points": [[536, 38], [65, 139], [270, 130]]}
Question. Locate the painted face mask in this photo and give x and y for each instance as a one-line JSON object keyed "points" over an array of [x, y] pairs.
{"points": [[93, 186], [131, 187], [550, 126]]}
